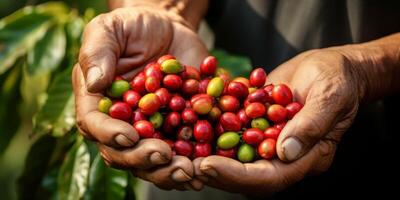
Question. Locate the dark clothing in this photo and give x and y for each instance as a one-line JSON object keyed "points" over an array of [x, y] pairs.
{"points": [[271, 32]]}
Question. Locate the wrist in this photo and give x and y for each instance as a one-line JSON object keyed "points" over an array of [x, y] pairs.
{"points": [[186, 12], [376, 66]]}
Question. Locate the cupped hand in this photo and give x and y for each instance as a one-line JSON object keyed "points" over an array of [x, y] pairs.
{"points": [[328, 85], [121, 43]]}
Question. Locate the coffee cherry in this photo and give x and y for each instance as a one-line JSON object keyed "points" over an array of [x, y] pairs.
{"points": [[153, 70], [144, 128], [201, 103], [246, 153], [173, 119], [260, 123], [149, 104], [219, 130], [208, 66], [132, 98], [215, 87], [244, 119], [157, 135], [171, 66], [229, 103], [282, 94], [267, 148], [243, 80], [203, 131], [104, 105], [254, 110], [190, 73], [229, 153], [118, 88], [156, 119], [257, 96], [276, 113], [164, 58], [258, 77], [183, 148], [190, 87], [280, 125], [177, 103], [268, 90], [137, 115], [230, 122], [138, 83], [203, 85], [253, 136], [120, 110], [164, 96], [185, 133], [152, 84], [228, 140], [272, 132], [189, 116], [238, 90], [293, 108], [214, 114], [202, 150], [172, 82]]}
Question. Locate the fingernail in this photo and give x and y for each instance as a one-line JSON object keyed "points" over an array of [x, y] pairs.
{"points": [[93, 74], [123, 141], [180, 176], [156, 158], [210, 171], [291, 148]]}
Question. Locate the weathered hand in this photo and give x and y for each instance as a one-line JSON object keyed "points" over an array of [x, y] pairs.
{"points": [[327, 83], [120, 43]]}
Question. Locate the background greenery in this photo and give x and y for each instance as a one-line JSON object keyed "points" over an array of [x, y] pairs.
{"points": [[41, 154]]}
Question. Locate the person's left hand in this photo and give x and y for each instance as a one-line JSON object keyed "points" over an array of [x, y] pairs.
{"points": [[328, 85]]}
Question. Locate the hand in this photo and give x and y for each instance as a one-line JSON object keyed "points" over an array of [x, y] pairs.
{"points": [[120, 43], [326, 82]]}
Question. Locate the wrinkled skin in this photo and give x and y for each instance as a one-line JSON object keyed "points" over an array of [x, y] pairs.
{"points": [[121, 43], [325, 81]]}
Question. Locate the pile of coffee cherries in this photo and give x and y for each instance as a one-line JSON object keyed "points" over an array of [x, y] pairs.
{"points": [[203, 112]]}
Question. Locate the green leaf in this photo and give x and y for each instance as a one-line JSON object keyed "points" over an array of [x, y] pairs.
{"points": [[20, 31], [106, 182], [235, 64], [9, 104], [18, 34], [48, 52], [35, 166], [74, 172], [57, 115]]}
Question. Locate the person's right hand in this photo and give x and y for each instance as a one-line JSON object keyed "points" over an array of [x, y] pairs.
{"points": [[120, 43]]}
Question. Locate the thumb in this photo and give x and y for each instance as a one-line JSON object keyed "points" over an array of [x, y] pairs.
{"points": [[98, 55], [311, 124]]}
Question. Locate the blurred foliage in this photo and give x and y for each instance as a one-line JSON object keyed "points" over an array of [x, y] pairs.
{"points": [[38, 47], [39, 44]]}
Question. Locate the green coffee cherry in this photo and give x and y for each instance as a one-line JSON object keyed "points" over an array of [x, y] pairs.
{"points": [[118, 88], [246, 153], [156, 119], [215, 87], [260, 123], [171, 66], [228, 140], [104, 105]]}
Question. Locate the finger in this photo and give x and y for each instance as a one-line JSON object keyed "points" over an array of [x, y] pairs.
{"points": [[101, 127], [197, 172], [145, 154], [176, 173], [99, 52], [187, 47]]}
